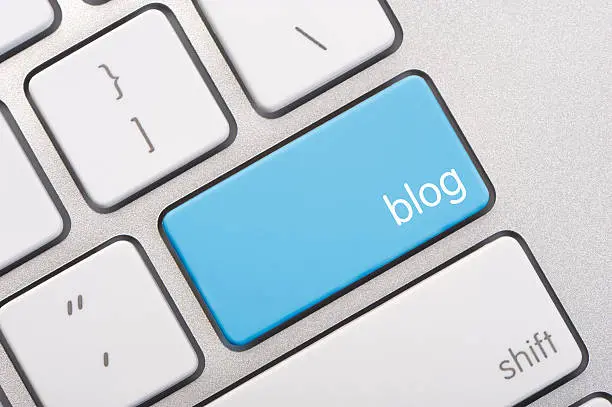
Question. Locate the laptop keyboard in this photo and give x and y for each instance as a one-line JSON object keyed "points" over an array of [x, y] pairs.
{"points": [[270, 242]]}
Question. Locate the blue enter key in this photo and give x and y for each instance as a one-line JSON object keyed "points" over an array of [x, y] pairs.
{"points": [[340, 201]]}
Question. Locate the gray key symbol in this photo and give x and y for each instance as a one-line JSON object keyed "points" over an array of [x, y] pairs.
{"points": [[114, 78], [311, 38], [133, 119], [79, 304], [143, 133]]}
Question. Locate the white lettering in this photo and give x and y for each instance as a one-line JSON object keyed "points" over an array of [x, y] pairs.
{"points": [[460, 187], [430, 195], [398, 219]]}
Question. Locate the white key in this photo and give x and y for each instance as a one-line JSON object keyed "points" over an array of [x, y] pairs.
{"points": [[129, 109], [596, 400], [22, 20], [284, 51], [30, 218], [99, 333], [445, 342]]}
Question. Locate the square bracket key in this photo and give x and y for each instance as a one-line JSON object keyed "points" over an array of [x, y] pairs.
{"points": [[130, 107]]}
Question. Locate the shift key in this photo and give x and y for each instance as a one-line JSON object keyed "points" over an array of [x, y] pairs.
{"points": [[337, 203], [483, 330]]}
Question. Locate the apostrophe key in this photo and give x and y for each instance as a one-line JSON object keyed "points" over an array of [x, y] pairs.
{"points": [[112, 336]]}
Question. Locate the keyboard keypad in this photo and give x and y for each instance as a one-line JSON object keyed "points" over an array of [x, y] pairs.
{"points": [[23, 20], [130, 108], [100, 333], [284, 51], [31, 219]]}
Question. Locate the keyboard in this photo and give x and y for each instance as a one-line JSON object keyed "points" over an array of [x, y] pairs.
{"points": [[271, 203]]}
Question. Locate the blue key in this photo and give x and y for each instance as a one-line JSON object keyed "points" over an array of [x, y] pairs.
{"points": [[369, 185]]}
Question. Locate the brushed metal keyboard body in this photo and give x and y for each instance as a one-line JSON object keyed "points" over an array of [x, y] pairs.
{"points": [[529, 85]]}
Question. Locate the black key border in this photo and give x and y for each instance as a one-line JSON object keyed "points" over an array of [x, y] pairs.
{"points": [[57, 19], [600, 394]]}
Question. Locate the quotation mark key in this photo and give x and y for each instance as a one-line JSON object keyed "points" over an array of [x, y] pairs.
{"points": [[79, 304]]}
